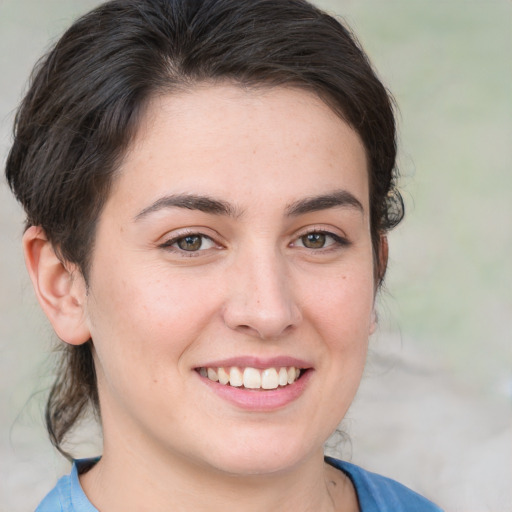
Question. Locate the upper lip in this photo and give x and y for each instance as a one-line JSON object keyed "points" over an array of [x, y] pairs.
{"points": [[257, 362]]}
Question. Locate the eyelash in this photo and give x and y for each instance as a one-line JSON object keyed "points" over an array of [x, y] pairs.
{"points": [[338, 242], [168, 244]]}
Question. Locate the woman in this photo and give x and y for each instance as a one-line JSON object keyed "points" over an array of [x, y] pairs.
{"points": [[208, 187]]}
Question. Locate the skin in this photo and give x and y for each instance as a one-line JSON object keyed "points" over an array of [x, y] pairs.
{"points": [[255, 288]]}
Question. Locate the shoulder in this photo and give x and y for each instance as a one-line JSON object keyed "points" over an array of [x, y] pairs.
{"points": [[377, 493], [67, 495], [55, 499]]}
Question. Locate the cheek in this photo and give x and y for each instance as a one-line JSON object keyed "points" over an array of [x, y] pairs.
{"points": [[342, 306], [146, 317], [340, 312]]}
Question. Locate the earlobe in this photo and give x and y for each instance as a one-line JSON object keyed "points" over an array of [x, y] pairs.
{"points": [[60, 292], [383, 257]]}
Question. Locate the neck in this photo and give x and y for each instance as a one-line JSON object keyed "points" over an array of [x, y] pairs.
{"points": [[156, 484]]}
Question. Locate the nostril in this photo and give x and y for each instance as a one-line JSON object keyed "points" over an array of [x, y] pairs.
{"points": [[247, 329]]}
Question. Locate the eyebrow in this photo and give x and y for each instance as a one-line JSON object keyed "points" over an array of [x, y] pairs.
{"points": [[335, 199], [339, 198], [190, 202]]}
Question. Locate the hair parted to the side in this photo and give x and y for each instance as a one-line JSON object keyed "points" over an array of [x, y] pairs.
{"points": [[88, 94]]}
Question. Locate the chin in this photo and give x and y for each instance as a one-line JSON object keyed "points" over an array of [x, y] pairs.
{"points": [[262, 458]]}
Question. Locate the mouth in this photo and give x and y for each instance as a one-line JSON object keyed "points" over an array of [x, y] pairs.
{"points": [[253, 378]]}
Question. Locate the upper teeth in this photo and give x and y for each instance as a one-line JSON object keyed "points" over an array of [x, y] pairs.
{"points": [[252, 378]]}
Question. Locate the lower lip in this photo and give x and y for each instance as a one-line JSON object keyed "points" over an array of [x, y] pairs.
{"points": [[260, 400]]}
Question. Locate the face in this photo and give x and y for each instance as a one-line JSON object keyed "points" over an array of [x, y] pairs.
{"points": [[231, 289]]}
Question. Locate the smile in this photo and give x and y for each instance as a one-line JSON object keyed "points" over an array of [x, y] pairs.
{"points": [[252, 378]]}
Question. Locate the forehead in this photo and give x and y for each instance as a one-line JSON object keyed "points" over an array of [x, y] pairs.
{"points": [[232, 142]]}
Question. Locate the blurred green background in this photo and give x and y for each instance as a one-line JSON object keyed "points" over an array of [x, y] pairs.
{"points": [[449, 65], [434, 409]]}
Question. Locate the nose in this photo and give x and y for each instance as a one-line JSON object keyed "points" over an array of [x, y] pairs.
{"points": [[261, 299]]}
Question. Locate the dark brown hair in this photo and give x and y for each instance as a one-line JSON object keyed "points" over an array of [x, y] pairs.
{"points": [[89, 92]]}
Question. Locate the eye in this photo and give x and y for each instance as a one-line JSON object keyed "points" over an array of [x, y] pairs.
{"points": [[320, 240], [192, 242], [314, 240]]}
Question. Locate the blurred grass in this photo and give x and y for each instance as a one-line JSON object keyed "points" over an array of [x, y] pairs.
{"points": [[448, 64]]}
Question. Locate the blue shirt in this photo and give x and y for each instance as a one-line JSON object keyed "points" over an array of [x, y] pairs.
{"points": [[374, 492]]}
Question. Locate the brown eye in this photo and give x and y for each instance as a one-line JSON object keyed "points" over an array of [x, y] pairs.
{"points": [[190, 243], [317, 240], [314, 240]]}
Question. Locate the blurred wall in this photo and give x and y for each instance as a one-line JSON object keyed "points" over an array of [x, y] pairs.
{"points": [[434, 409]]}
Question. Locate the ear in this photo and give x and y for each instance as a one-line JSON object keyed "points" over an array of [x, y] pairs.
{"points": [[382, 265], [60, 289], [383, 258]]}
